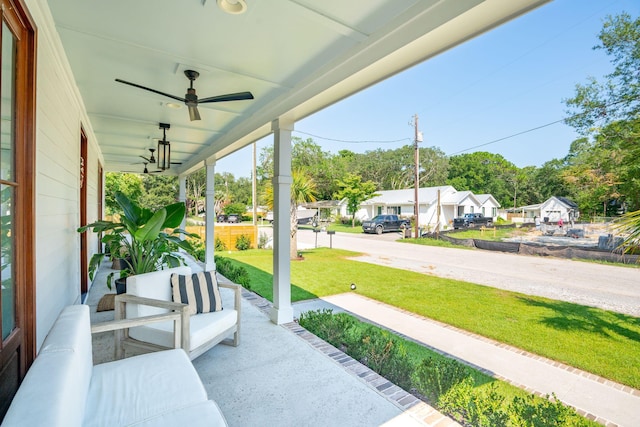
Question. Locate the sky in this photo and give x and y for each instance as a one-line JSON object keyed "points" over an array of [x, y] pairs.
{"points": [[508, 81]]}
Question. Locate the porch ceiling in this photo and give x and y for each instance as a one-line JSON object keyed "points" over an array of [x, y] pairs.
{"points": [[295, 56]]}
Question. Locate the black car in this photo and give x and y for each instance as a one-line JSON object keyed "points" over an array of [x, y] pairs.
{"points": [[383, 223]]}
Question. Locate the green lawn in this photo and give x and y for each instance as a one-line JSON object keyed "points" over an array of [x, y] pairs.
{"points": [[597, 341]]}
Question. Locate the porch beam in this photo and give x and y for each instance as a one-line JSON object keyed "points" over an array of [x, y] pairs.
{"points": [[282, 311]]}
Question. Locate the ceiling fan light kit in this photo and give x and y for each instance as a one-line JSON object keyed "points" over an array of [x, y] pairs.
{"points": [[164, 148]]}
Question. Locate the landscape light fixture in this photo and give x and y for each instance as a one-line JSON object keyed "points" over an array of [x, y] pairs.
{"points": [[164, 148]]}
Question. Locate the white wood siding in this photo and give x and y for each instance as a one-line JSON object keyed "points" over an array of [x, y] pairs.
{"points": [[59, 117]]}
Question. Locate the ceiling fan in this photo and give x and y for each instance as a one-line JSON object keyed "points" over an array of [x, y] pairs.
{"points": [[145, 169], [191, 99], [150, 159]]}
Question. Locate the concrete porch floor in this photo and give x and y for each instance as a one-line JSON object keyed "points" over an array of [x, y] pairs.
{"points": [[285, 376]]}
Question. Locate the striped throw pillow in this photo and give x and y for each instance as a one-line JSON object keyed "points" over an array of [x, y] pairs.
{"points": [[199, 290]]}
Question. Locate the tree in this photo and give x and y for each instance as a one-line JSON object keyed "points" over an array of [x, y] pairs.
{"points": [[303, 190], [547, 181], [160, 190], [355, 192], [606, 113], [196, 191], [629, 227], [597, 104], [483, 172], [129, 184]]}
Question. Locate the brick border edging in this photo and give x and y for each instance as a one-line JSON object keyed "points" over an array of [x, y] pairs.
{"points": [[405, 401]]}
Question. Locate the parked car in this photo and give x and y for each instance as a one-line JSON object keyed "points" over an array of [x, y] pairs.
{"points": [[383, 223], [235, 218], [471, 220], [221, 218]]}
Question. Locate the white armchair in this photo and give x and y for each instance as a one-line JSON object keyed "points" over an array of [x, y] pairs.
{"points": [[149, 294]]}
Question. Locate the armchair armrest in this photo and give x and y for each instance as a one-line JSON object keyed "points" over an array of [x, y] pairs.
{"points": [[237, 302], [179, 314], [237, 294]]}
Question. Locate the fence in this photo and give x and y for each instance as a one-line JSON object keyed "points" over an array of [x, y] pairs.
{"points": [[228, 233]]}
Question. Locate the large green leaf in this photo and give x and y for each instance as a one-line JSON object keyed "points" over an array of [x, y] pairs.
{"points": [[175, 215], [131, 211], [152, 228]]}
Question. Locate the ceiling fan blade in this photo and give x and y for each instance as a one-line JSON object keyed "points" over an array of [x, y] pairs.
{"points": [[147, 160], [228, 97], [193, 113], [177, 98]]}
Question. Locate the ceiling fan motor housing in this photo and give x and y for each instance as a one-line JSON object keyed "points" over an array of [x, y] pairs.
{"points": [[191, 99]]}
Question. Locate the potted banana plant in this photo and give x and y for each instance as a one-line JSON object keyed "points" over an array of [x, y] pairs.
{"points": [[144, 240]]}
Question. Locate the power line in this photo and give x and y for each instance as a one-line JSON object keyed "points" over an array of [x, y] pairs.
{"points": [[507, 137], [353, 141], [604, 106]]}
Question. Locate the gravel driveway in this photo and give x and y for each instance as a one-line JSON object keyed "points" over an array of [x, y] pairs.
{"points": [[596, 285]]}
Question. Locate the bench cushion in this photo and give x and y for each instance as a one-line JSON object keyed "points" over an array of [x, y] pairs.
{"points": [[141, 388], [59, 377], [203, 328], [204, 414]]}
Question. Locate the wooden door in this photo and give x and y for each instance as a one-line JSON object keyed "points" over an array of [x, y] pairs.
{"points": [[84, 265], [17, 210]]}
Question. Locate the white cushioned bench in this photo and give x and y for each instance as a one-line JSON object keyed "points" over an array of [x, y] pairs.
{"points": [[63, 387]]}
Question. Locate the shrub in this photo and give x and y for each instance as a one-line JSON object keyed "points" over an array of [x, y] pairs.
{"points": [[346, 220], [446, 383], [469, 407], [532, 412], [263, 239], [434, 377], [234, 208], [220, 246], [327, 326], [373, 347], [198, 249], [236, 273], [243, 242], [379, 350]]}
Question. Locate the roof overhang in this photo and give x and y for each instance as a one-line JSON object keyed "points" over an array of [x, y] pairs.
{"points": [[296, 57]]}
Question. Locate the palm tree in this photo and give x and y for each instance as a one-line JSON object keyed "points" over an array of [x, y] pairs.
{"points": [[303, 190], [629, 226]]}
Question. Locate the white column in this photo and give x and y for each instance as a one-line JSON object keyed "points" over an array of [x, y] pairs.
{"points": [[282, 312], [182, 197], [210, 215]]}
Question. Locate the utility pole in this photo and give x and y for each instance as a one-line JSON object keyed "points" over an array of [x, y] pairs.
{"points": [[254, 197], [417, 137]]}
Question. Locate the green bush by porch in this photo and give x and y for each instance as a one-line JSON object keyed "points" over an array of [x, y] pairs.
{"points": [[466, 394]]}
